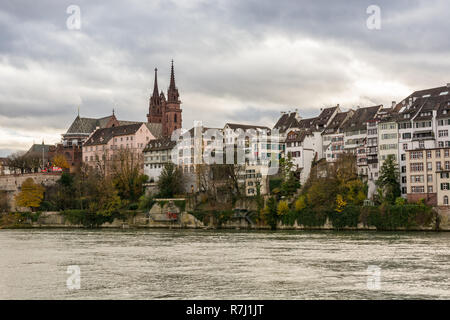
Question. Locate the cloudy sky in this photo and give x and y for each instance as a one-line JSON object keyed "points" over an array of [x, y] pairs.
{"points": [[235, 60]]}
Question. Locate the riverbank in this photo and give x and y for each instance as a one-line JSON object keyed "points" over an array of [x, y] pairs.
{"points": [[189, 221]]}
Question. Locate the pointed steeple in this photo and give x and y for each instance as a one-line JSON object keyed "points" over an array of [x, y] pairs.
{"points": [[172, 92], [155, 88], [172, 78]]}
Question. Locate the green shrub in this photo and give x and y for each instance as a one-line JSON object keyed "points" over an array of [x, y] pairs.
{"points": [[89, 219], [310, 217], [349, 217]]}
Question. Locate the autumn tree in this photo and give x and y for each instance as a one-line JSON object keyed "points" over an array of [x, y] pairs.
{"points": [[126, 175], [31, 195], [60, 161]]}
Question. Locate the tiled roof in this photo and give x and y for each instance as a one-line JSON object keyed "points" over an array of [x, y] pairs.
{"points": [[155, 129], [307, 123], [87, 125], [325, 116], [360, 117], [337, 122], [235, 126], [102, 136], [297, 136], [37, 148], [160, 144], [287, 121]]}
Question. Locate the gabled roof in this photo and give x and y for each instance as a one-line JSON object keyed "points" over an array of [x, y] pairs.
{"points": [[338, 120], [325, 116], [360, 117], [307, 123], [235, 126], [286, 121], [37, 148], [297, 136], [155, 129], [102, 136], [84, 125], [160, 144]]}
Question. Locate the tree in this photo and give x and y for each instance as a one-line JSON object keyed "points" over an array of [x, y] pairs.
{"points": [[270, 213], [388, 179], [282, 208], [31, 195], [127, 177], [60, 161], [289, 183], [170, 181]]}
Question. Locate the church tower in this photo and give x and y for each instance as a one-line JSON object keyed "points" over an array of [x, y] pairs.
{"points": [[171, 118], [156, 104]]}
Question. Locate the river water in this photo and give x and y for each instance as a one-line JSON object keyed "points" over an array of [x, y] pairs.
{"points": [[212, 264]]}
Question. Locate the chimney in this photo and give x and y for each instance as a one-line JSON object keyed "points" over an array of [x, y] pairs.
{"points": [[394, 104]]}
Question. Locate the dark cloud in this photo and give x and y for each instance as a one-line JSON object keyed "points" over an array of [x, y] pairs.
{"points": [[235, 60]]}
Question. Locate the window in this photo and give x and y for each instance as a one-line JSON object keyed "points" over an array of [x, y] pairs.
{"points": [[430, 166], [430, 189], [417, 189], [443, 133], [438, 165], [416, 155], [445, 175], [445, 186], [406, 135], [403, 157], [430, 178], [441, 144], [417, 179], [447, 165], [415, 167], [446, 153], [445, 200], [428, 154], [403, 179], [405, 146], [438, 153], [421, 144]]}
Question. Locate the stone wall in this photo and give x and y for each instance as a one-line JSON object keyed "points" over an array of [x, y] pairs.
{"points": [[12, 184]]}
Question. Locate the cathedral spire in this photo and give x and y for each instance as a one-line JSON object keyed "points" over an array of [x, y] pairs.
{"points": [[155, 89], [172, 92], [172, 78]]}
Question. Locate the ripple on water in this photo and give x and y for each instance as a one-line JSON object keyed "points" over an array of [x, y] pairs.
{"points": [[221, 264]]}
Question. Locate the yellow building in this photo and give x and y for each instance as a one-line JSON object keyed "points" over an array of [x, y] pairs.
{"points": [[427, 173]]}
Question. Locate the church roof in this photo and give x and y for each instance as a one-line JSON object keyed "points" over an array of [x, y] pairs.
{"points": [[155, 129], [87, 125]]}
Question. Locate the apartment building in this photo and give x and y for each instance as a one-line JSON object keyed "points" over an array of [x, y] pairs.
{"points": [[333, 136], [301, 146], [104, 146], [355, 136], [157, 153]]}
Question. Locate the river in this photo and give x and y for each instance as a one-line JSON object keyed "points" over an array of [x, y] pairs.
{"points": [[223, 264]]}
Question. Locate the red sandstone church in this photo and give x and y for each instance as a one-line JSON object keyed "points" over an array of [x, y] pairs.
{"points": [[164, 117]]}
